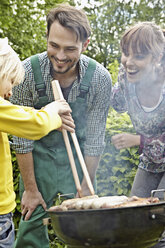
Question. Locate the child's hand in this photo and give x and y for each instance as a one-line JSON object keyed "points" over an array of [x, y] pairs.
{"points": [[59, 107], [62, 108]]}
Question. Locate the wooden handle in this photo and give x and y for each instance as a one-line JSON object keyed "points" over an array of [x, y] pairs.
{"points": [[58, 95], [82, 162]]}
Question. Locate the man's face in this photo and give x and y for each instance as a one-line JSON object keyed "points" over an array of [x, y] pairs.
{"points": [[64, 49]]}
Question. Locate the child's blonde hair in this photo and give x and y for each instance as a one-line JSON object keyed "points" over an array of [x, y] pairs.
{"points": [[10, 64]]}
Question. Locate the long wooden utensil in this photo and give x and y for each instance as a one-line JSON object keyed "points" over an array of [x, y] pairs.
{"points": [[58, 95]]}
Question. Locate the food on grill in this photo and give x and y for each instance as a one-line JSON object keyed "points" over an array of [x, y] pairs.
{"points": [[133, 201], [95, 202], [99, 202], [111, 201], [72, 202], [58, 208]]}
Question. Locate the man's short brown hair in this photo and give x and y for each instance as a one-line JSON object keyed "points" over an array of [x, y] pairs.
{"points": [[71, 18]]}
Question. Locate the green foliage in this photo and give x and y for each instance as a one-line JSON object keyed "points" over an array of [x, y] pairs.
{"points": [[24, 23], [109, 19], [117, 168], [113, 69], [56, 243]]}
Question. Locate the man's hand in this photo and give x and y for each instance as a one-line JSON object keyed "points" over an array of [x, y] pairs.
{"points": [[30, 200], [125, 140], [31, 197]]}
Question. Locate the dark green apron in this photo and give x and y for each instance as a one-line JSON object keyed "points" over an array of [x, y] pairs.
{"points": [[52, 167]]}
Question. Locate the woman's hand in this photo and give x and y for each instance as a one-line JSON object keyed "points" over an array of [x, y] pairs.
{"points": [[125, 140]]}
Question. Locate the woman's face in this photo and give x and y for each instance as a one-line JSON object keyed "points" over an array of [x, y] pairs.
{"points": [[138, 66], [6, 88]]}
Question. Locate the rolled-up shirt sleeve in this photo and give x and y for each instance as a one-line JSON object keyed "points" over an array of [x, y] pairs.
{"points": [[21, 145]]}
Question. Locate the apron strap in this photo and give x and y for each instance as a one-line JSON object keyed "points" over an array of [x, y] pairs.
{"points": [[85, 83], [39, 82]]}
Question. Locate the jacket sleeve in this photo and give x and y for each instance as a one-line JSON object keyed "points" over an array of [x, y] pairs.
{"points": [[27, 122]]}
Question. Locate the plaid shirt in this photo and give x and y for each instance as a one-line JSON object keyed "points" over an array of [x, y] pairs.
{"points": [[98, 101]]}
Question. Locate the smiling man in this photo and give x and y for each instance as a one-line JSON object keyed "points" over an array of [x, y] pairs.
{"points": [[64, 49], [86, 86]]}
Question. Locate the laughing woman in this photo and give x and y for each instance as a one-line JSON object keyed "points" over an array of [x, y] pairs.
{"points": [[141, 92]]}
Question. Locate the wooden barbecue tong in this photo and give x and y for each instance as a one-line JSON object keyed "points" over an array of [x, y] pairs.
{"points": [[58, 95]]}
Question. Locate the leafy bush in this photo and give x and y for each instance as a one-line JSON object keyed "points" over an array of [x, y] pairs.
{"points": [[117, 168]]}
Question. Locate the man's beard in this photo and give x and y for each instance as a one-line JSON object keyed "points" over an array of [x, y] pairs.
{"points": [[62, 72], [67, 69]]}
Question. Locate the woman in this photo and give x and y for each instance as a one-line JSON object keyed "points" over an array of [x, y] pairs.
{"points": [[141, 91]]}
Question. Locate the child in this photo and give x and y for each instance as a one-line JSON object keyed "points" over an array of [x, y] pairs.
{"points": [[24, 122]]}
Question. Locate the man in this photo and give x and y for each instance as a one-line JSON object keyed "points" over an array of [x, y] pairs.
{"points": [[86, 86], [15, 119]]}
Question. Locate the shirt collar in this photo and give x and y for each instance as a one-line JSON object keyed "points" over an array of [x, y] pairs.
{"points": [[82, 66]]}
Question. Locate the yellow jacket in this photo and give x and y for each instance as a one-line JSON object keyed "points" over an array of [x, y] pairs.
{"points": [[24, 122]]}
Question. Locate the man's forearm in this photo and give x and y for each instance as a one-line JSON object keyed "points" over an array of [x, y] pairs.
{"points": [[25, 162], [92, 164]]}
